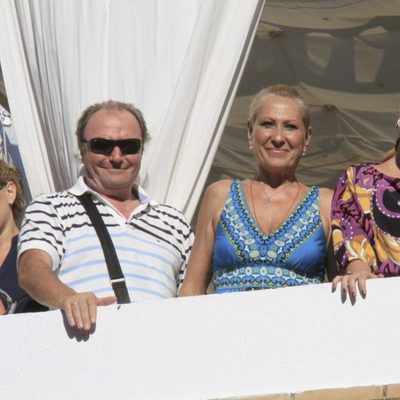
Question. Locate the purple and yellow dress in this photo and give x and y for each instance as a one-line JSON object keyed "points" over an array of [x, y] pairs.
{"points": [[245, 258], [366, 219]]}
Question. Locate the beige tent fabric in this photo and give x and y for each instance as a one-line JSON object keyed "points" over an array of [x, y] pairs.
{"points": [[343, 56]]}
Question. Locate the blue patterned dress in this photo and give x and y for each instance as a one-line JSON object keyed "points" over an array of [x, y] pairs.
{"points": [[245, 258]]}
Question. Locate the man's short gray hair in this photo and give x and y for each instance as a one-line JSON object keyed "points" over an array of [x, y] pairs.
{"points": [[110, 105]]}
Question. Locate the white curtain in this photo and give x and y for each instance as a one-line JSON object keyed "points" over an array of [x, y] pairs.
{"points": [[177, 60], [17, 77]]}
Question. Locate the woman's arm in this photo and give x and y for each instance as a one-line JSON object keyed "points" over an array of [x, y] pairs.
{"points": [[351, 222], [198, 274], [331, 265], [352, 243], [325, 205]]}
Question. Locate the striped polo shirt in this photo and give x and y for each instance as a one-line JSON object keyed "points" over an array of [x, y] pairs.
{"points": [[152, 245]]}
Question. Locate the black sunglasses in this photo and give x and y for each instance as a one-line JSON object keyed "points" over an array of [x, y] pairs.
{"points": [[106, 146]]}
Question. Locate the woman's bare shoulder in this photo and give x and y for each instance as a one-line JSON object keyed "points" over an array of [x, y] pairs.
{"points": [[325, 201], [326, 194], [219, 188], [213, 201]]}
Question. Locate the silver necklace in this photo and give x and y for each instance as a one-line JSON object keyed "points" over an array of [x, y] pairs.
{"points": [[266, 197]]}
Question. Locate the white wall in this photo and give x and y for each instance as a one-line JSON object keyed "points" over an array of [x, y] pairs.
{"points": [[216, 346]]}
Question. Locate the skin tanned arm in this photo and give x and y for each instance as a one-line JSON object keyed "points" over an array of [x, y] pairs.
{"points": [[199, 272], [37, 278], [325, 205]]}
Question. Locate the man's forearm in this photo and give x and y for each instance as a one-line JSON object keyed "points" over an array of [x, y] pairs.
{"points": [[39, 281], [37, 278]]}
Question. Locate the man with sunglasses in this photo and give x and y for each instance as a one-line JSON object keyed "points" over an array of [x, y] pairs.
{"points": [[61, 261]]}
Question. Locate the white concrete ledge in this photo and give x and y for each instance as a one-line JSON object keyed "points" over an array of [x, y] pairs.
{"points": [[218, 346]]}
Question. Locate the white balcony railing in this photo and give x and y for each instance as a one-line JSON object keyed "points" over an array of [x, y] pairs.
{"points": [[218, 346]]}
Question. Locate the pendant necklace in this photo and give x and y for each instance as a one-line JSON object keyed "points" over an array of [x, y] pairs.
{"points": [[266, 197], [269, 198]]}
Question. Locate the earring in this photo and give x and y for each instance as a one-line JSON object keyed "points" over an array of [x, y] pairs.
{"points": [[304, 152], [250, 146]]}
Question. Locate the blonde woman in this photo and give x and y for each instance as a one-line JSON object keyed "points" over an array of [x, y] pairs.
{"points": [[269, 231]]}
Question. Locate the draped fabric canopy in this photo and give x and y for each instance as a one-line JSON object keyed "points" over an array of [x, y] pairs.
{"points": [[343, 56], [179, 61]]}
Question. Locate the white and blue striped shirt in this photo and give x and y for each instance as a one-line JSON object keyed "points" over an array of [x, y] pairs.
{"points": [[153, 245]]}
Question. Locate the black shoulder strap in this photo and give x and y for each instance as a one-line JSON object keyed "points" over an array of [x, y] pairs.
{"points": [[114, 268]]}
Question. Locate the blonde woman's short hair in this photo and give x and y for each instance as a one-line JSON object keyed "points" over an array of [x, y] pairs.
{"points": [[279, 91]]}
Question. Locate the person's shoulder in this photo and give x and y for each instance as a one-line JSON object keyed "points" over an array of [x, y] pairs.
{"points": [[170, 217], [62, 206], [326, 193], [52, 198], [356, 171], [360, 167], [325, 202], [168, 212], [167, 208], [219, 188], [325, 198]]}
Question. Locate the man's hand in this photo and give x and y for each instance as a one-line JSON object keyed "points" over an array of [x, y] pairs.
{"points": [[81, 308], [38, 280]]}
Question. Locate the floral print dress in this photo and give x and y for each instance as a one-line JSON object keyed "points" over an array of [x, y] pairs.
{"points": [[366, 219]]}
